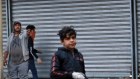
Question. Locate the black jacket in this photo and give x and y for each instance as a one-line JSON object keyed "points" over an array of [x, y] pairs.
{"points": [[64, 62], [32, 51]]}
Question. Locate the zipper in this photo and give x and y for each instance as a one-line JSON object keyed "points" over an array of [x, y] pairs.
{"points": [[73, 54]]}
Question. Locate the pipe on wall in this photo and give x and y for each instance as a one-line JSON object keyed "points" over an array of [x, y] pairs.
{"points": [[134, 39]]}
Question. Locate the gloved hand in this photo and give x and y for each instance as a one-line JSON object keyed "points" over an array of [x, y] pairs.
{"points": [[78, 75]]}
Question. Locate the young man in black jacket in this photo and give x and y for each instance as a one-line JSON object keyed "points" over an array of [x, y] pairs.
{"points": [[32, 52], [67, 62]]}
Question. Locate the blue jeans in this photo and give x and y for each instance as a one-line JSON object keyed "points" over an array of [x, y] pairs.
{"points": [[33, 68]]}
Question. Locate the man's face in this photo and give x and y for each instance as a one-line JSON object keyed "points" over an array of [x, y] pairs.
{"points": [[17, 28], [31, 33], [69, 42]]}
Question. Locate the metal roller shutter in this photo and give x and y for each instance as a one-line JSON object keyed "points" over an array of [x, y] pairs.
{"points": [[5, 33], [138, 18], [5, 28], [103, 26]]}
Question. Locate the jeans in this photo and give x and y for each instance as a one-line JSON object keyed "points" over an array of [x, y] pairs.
{"points": [[33, 68]]}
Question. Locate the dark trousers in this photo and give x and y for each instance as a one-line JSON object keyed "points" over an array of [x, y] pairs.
{"points": [[33, 68]]}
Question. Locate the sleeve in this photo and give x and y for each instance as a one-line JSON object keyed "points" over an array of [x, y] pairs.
{"points": [[31, 45], [6, 52], [8, 44], [25, 33], [34, 53], [7, 47], [83, 66], [56, 71]]}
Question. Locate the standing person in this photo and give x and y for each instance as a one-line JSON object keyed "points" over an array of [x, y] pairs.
{"points": [[67, 62], [32, 51], [16, 54]]}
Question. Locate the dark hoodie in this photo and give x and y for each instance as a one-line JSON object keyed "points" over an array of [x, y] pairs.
{"points": [[64, 63]]}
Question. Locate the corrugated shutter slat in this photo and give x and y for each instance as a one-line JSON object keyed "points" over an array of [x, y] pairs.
{"points": [[103, 27]]}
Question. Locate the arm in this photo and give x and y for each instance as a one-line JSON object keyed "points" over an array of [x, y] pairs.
{"points": [[31, 47], [25, 33], [6, 53], [83, 67], [56, 71], [36, 51], [32, 50], [5, 58], [39, 61]]}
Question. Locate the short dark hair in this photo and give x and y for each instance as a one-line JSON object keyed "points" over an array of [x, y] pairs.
{"points": [[32, 27], [17, 22], [66, 30]]}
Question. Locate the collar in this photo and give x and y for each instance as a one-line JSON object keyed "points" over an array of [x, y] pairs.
{"points": [[66, 50]]}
